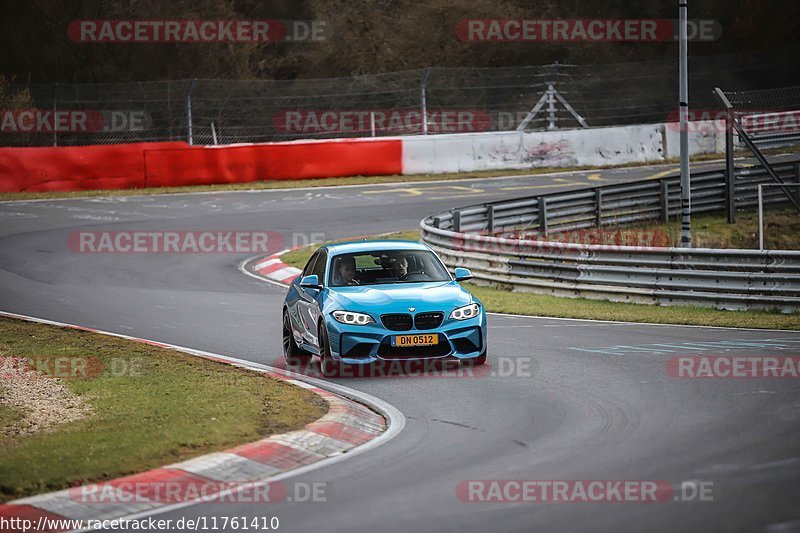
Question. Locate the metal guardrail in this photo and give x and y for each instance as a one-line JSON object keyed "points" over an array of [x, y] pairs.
{"points": [[485, 238]]}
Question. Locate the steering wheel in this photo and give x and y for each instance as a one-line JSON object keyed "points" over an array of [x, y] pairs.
{"points": [[416, 276]]}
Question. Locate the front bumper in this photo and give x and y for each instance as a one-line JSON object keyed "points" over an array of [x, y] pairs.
{"points": [[358, 345]]}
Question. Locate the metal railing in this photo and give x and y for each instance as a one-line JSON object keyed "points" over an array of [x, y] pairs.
{"points": [[506, 243]]}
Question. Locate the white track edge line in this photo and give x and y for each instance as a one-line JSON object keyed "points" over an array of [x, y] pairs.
{"points": [[394, 417]]}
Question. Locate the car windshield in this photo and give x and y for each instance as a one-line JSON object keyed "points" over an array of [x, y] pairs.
{"points": [[386, 266]]}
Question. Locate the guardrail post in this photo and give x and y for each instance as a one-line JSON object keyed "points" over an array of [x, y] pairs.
{"points": [[457, 221], [664, 201], [490, 219], [543, 215], [437, 222], [598, 213]]}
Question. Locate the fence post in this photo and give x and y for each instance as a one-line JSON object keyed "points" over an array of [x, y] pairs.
{"points": [[543, 215], [598, 214], [55, 109], [424, 99], [214, 134], [457, 221], [490, 219], [189, 110], [760, 217], [797, 177], [730, 169], [664, 201]]}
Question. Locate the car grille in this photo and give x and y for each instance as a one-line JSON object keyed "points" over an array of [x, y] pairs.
{"points": [[397, 322], [428, 320]]}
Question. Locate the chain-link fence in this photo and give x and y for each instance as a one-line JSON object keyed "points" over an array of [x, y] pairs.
{"points": [[424, 101], [770, 117]]}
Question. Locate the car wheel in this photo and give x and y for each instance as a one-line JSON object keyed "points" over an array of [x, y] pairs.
{"points": [[478, 361], [292, 353], [330, 367]]}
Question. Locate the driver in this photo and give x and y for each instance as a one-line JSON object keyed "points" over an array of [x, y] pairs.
{"points": [[400, 266], [347, 270]]}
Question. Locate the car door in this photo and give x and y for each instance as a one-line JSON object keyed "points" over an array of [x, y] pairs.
{"points": [[308, 304]]}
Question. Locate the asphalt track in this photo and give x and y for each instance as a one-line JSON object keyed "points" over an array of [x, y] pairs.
{"points": [[586, 401]]}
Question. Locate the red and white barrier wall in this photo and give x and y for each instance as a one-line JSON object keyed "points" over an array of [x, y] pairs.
{"points": [[172, 164], [127, 166]]}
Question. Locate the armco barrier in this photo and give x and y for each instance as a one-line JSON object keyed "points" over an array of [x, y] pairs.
{"points": [[482, 238], [125, 166]]}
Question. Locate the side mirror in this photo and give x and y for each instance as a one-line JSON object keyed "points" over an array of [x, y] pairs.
{"points": [[310, 282], [463, 274]]}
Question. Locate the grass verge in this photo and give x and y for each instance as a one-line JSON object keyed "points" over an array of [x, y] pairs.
{"points": [[502, 300], [150, 406], [781, 230], [709, 230]]}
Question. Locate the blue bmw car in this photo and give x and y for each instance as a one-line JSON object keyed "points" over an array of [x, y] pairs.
{"points": [[363, 302]]}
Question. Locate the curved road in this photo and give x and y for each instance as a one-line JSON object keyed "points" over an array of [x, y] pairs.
{"points": [[584, 400]]}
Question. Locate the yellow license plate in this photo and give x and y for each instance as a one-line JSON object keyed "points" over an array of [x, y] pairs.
{"points": [[408, 341]]}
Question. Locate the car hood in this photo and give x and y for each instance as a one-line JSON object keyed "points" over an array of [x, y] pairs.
{"points": [[399, 297]]}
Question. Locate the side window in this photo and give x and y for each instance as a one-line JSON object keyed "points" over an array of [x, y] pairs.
{"points": [[319, 266], [309, 269]]}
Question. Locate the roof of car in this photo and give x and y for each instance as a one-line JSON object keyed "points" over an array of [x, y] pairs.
{"points": [[372, 246]]}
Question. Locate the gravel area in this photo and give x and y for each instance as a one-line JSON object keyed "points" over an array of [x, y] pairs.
{"points": [[43, 401]]}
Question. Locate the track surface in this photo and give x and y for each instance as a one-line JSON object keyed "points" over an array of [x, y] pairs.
{"points": [[585, 411]]}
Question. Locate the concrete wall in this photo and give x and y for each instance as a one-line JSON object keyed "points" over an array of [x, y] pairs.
{"points": [[616, 145], [705, 137]]}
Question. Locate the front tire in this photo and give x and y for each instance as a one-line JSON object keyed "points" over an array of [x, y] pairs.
{"points": [[478, 361], [330, 368], [292, 353]]}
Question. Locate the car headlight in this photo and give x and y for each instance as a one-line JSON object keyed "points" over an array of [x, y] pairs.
{"points": [[352, 319], [463, 313]]}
